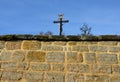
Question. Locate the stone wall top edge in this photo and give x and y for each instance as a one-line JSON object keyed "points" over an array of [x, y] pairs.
{"points": [[60, 38]]}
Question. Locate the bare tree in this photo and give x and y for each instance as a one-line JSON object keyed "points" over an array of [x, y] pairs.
{"points": [[85, 30]]}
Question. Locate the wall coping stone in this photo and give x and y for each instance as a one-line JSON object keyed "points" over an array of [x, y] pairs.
{"points": [[59, 38]]}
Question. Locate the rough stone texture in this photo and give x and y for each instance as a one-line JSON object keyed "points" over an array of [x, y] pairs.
{"points": [[72, 77], [59, 61], [54, 77], [12, 75], [5, 55], [60, 43], [18, 56], [2, 44], [90, 58], [116, 69], [103, 69], [58, 67], [55, 57], [107, 58], [31, 45], [36, 56], [97, 78], [23, 65], [9, 65], [40, 67], [36, 76], [114, 49], [98, 49], [115, 79], [80, 48], [52, 48], [109, 43], [13, 45], [74, 57], [81, 68]]}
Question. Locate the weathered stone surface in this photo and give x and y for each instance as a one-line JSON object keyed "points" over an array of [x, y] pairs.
{"points": [[2, 44], [31, 45], [34, 76], [116, 69], [60, 43], [58, 67], [12, 75], [81, 68], [0, 74], [18, 56], [55, 77], [5, 56], [36, 56], [90, 58], [55, 57], [114, 49], [9, 65], [52, 48], [74, 57], [80, 48], [97, 78], [104, 69], [13, 45], [98, 49], [72, 43], [112, 43], [23, 65], [107, 58], [40, 67], [115, 78], [72, 77]]}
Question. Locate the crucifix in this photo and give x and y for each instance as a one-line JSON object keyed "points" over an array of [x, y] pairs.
{"points": [[61, 21]]}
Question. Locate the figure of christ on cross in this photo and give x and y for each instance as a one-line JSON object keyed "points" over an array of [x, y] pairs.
{"points": [[61, 21]]}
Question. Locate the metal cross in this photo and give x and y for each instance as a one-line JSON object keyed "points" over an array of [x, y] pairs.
{"points": [[61, 21]]}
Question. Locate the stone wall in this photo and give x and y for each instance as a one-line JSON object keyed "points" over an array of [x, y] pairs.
{"points": [[59, 61]]}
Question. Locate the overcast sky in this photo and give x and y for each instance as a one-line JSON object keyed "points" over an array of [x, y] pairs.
{"points": [[34, 16]]}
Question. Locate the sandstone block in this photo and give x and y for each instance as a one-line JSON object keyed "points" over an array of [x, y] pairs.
{"points": [[60, 43], [18, 56], [40, 67], [5, 56], [55, 77], [97, 78], [36, 76], [2, 44], [12, 75], [74, 57], [114, 49], [58, 67], [116, 69], [72, 43], [98, 49], [55, 57], [0, 74], [52, 48], [115, 78], [13, 45], [107, 58], [80, 48], [72, 77], [78, 68], [9, 65], [90, 58], [104, 69], [112, 43], [36, 56], [23, 65], [31, 45]]}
